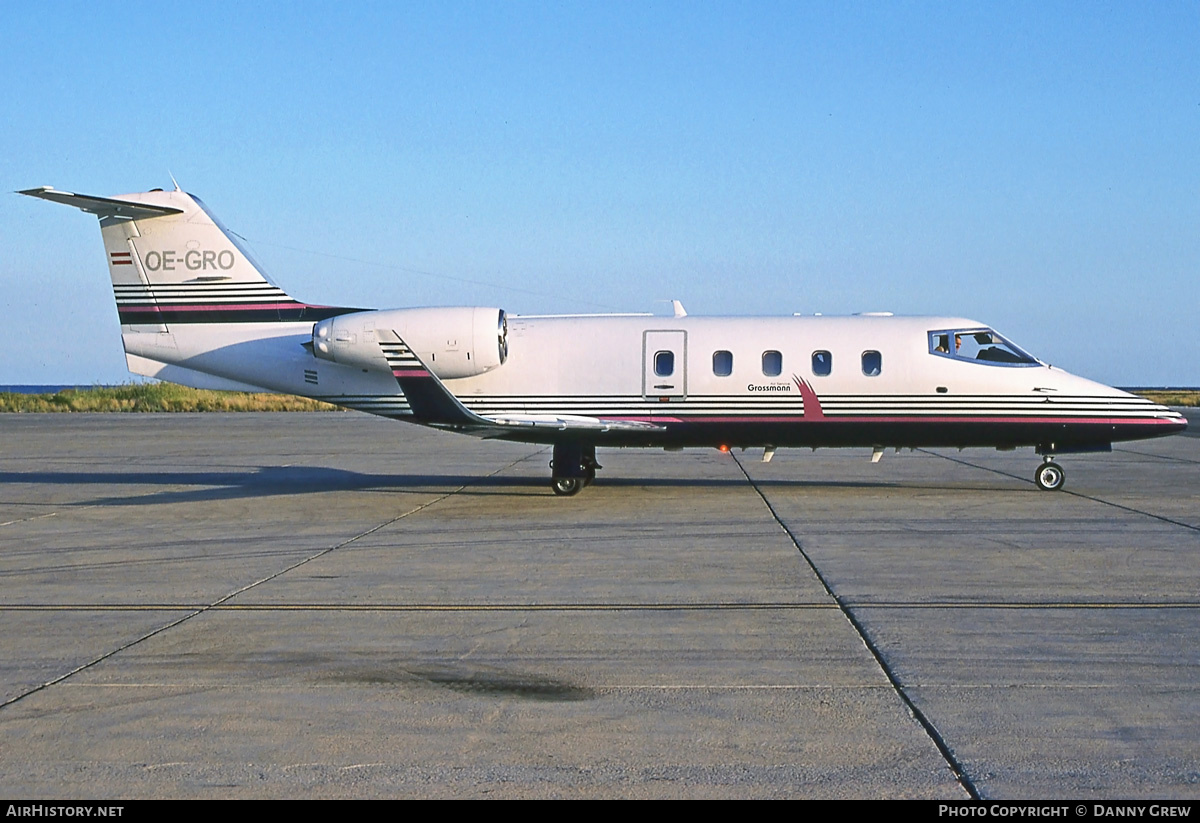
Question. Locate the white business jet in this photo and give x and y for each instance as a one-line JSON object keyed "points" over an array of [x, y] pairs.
{"points": [[196, 310]]}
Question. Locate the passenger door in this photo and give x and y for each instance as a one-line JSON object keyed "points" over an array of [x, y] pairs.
{"points": [[664, 365]]}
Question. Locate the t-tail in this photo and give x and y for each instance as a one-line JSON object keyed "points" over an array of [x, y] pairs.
{"points": [[180, 277]]}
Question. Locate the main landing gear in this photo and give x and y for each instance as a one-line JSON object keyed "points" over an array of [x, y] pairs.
{"points": [[573, 467], [1049, 476]]}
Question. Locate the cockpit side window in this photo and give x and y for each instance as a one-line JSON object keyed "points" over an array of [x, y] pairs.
{"points": [[978, 346]]}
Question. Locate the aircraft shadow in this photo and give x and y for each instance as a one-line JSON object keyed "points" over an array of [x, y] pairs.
{"points": [[272, 481]]}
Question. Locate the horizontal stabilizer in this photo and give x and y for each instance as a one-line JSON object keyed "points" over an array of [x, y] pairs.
{"points": [[101, 206]]}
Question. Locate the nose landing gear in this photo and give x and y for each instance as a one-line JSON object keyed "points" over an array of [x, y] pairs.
{"points": [[1050, 476]]}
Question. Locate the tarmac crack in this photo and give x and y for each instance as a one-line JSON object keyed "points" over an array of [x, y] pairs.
{"points": [[1080, 495], [847, 611], [196, 612], [1168, 457]]}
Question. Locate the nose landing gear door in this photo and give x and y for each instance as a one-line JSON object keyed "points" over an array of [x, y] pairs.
{"points": [[664, 365]]}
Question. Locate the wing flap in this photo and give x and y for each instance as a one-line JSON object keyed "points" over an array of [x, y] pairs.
{"points": [[569, 422]]}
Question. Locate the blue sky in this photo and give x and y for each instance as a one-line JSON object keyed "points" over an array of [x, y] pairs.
{"points": [[1035, 166]]}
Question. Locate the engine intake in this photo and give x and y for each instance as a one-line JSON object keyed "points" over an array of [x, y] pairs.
{"points": [[451, 342]]}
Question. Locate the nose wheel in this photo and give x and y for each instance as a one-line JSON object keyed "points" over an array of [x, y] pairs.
{"points": [[1050, 477]]}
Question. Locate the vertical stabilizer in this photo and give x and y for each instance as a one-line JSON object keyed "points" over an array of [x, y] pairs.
{"points": [[172, 263]]}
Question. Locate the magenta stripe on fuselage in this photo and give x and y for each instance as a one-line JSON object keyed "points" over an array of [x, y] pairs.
{"points": [[1103, 421], [162, 307]]}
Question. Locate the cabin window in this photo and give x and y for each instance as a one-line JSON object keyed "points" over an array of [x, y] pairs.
{"points": [[722, 363], [978, 346], [772, 363], [822, 363], [872, 363], [664, 363]]}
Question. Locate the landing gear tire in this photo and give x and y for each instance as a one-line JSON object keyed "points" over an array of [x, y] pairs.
{"points": [[1050, 477], [567, 486], [573, 467]]}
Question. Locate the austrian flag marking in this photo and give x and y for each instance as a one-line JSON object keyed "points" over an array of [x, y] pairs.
{"points": [[121, 258]]}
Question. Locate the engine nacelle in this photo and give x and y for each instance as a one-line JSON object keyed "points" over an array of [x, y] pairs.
{"points": [[452, 342]]}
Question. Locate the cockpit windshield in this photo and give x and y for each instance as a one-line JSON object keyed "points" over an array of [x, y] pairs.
{"points": [[979, 346]]}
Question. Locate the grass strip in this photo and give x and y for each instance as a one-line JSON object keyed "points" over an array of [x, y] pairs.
{"points": [[156, 397]]}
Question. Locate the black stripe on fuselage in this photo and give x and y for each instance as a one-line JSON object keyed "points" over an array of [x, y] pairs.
{"points": [[1063, 435], [231, 313]]}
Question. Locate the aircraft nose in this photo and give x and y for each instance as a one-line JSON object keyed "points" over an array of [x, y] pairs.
{"points": [[1176, 421], [1187, 418]]}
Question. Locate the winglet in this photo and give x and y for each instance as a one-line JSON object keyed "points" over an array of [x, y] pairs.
{"points": [[433, 405], [431, 402]]}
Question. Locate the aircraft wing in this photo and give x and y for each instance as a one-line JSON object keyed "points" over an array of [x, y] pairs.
{"points": [[101, 206], [432, 404], [569, 422]]}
